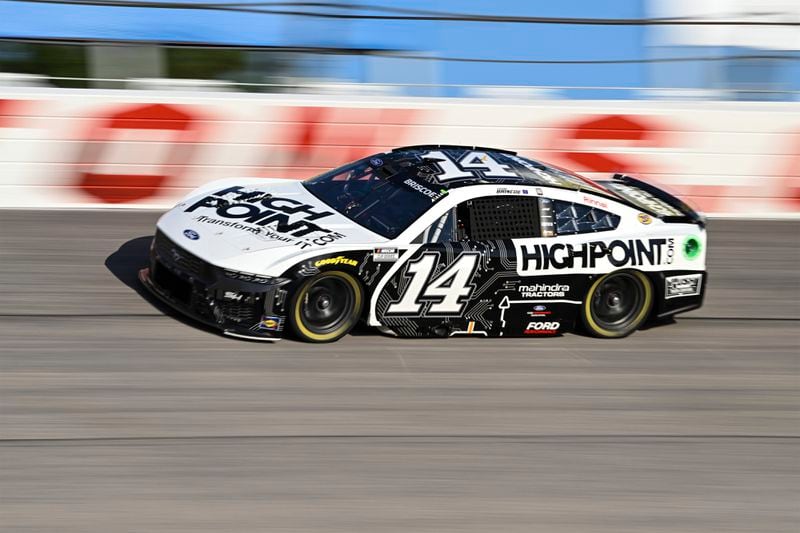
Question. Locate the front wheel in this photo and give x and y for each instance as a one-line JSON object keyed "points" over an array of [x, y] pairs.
{"points": [[617, 304], [326, 307]]}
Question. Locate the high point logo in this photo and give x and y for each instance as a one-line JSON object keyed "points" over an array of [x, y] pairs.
{"points": [[632, 252], [262, 209]]}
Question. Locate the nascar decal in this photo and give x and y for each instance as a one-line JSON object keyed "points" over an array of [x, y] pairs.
{"points": [[385, 255], [533, 257]]}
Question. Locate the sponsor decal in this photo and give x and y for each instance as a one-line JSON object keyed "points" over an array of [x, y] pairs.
{"points": [[385, 255], [539, 311], [542, 328], [691, 248], [506, 190], [191, 234], [339, 260], [543, 290], [271, 235], [594, 202], [644, 218], [678, 286], [270, 323], [539, 191], [591, 255], [547, 226], [260, 209], [551, 180], [424, 190], [644, 199]]}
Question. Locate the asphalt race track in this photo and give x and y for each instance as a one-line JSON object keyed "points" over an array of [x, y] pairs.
{"points": [[115, 417]]}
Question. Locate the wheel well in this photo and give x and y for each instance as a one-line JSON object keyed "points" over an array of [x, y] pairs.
{"points": [[651, 277], [655, 283]]}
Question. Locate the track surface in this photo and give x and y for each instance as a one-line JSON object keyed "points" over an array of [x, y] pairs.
{"points": [[114, 417]]}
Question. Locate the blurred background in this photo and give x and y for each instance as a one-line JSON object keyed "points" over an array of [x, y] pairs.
{"points": [[133, 103], [577, 49]]}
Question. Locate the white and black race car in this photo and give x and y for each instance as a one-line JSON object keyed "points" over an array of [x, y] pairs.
{"points": [[430, 241]]}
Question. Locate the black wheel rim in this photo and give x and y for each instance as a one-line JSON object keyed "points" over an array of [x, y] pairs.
{"points": [[327, 304], [617, 302]]}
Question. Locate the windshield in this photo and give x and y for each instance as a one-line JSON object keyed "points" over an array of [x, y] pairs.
{"points": [[374, 195]]}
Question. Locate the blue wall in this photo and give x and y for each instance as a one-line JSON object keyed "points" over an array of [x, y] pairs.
{"points": [[442, 39]]}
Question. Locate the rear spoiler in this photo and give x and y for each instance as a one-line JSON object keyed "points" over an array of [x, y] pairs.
{"points": [[653, 200]]}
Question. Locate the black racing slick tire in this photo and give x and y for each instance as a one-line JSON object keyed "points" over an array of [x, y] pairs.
{"points": [[617, 304], [326, 307]]}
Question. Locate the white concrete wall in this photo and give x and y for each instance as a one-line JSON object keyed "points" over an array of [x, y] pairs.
{"points": [[63, 148]]}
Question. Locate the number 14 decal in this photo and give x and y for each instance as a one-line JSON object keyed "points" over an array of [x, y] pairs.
{"points": [[448, 292], [472, 160]]}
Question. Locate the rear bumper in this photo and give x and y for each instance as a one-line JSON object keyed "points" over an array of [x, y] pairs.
{"points": [[669, 287]]}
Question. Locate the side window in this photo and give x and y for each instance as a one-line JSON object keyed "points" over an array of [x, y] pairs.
{"points": [[568, 218], [442, 230], [498, 217]]}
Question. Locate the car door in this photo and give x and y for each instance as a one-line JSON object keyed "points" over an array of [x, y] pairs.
{"points": [[450, 285]]}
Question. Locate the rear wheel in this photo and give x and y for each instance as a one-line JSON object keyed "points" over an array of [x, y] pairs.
{"points": [[617, 304], [326, 307]]}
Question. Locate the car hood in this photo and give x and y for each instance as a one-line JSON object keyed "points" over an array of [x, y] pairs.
{"points": [[253, 224]]}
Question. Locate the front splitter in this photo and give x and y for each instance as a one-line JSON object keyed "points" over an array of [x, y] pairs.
{"points": [[144, 278]]}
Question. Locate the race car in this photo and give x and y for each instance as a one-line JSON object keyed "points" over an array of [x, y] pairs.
{"points": [[430, 241]]}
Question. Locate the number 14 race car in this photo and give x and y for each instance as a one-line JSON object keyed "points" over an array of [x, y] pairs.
{"points": [[429, 241]]}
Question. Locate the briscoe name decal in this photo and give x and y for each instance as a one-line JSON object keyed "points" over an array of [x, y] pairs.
{"points": [[261, 209], [425, 191], [591, 255]]}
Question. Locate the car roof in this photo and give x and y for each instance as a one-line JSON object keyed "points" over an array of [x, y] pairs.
{"points": [[527, 171]]}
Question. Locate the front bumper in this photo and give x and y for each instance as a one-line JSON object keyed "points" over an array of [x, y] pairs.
{"points": [[203, 293]]}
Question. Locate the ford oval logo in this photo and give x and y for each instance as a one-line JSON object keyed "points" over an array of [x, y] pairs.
{"points": [[191, 234], [539, 308]]}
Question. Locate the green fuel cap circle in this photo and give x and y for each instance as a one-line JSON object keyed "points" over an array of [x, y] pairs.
{"points": [[691, 247]]}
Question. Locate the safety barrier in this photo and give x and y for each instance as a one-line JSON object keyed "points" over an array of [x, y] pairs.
{"points": [[79, 148]]}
